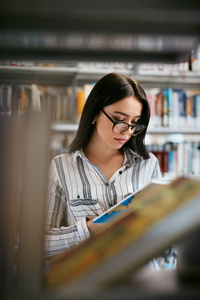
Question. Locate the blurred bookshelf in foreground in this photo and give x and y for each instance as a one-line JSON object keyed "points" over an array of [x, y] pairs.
{"points": [[160, 216]]}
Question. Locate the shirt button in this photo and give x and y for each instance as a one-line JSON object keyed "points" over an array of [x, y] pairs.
{"points": [[107, 184], [120, 172], [78, 196]]}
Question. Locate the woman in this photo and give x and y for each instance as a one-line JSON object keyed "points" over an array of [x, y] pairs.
{"points": [[107, 160]]}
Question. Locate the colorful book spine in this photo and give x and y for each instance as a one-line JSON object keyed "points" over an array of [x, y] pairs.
{"points": [[165, 116], [80, 101], [178, 159], [170, 102], [174, 108]]}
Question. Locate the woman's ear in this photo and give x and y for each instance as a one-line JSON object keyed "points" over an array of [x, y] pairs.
{"points": [[95, 119]]}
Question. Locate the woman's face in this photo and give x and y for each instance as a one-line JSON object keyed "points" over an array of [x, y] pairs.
{"points": [[128, 110]]}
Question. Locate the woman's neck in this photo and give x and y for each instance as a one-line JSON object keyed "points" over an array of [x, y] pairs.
{"points": [[97, 149], [108, 160]]}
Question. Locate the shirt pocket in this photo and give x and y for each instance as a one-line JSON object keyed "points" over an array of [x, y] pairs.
{"points": [[85, 207]]}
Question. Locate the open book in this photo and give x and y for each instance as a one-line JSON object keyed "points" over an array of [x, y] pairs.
{"points": [[123, 205], [161, 215]]}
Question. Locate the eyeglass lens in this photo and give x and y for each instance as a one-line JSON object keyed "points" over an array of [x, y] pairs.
{"points": [[121, 127]]}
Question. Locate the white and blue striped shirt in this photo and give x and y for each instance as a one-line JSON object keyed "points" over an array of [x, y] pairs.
{"points": [[78, 190]]}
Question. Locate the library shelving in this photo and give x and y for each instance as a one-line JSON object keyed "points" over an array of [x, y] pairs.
{"points": [[59, 88]]}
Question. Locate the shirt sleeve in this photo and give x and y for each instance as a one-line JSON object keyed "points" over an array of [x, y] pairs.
{"points": [[57, 237]]}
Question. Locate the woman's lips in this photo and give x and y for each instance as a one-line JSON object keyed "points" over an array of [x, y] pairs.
{"points": [[121, 141]]}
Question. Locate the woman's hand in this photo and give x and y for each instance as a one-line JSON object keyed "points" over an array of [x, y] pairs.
{"points": [[94, 227]]}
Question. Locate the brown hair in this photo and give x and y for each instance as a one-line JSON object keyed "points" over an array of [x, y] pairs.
{"points": [[108, 90]]}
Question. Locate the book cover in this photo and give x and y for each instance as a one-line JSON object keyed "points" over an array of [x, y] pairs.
{"points": [[165, 112], [114, 211], [159, 110], [125, 204], [175, 112], [181, 97], [197, 110], [170, 103], [80, 102]]}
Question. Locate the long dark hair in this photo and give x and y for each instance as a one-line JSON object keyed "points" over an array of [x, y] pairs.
{"points": [[108, 90]]}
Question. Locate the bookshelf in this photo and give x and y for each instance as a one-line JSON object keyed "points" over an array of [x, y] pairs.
{"points": [[59, 85], [174, 77]]}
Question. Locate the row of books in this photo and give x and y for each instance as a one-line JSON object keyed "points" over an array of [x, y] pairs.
{"points": [[178, 158], [171, 108], [16, 99], [174, 108], [61, 102]]}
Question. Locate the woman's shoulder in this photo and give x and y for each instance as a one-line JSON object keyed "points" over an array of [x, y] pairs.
{"points": [[68, 156], [61, 156], [152, 156]]}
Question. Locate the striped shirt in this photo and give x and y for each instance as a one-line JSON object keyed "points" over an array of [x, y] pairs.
{"points": [[78, 190]]}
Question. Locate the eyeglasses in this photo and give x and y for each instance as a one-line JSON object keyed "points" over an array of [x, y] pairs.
{"points": [[120, 126]]}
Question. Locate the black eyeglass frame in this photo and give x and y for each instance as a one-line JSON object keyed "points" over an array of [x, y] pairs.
{"points": [[117, 122]]}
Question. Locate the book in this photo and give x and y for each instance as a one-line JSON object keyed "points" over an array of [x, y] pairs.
{"points": [[161, 215], [117, 209], [123, 205], [174, 108], [182, 112], [170, 102], [80, 102], [162, 154], [165, 113], [159, 110], [178, 158]]}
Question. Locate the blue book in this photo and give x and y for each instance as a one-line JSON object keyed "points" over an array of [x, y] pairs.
{"points": [[123, 205], [115, 210], [182, 113]]}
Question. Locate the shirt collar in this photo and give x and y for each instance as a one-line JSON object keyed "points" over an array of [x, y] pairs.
{"points": [[129, 156], [79, 153]]}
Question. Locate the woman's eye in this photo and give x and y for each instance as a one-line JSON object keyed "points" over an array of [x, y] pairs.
{"points": [[118, 120], [134, 122]]}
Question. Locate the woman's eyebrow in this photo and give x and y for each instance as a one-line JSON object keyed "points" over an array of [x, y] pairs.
{"points": [[121, 113]]}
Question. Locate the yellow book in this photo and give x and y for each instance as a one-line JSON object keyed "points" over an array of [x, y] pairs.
{"points": [[80, 102]]}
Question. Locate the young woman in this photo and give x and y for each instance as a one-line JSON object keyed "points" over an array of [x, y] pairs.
{"points": [[106, 161]]}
